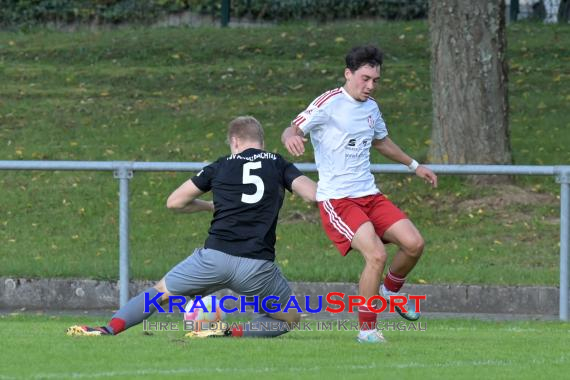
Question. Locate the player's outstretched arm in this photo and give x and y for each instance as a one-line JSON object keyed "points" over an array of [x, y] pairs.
{"points": [[294, 140], [184, 199], [305, 187], [389, 149]]}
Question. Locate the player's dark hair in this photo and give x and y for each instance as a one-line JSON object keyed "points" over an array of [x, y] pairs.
{"points": [[360, 56], [246, 128]]}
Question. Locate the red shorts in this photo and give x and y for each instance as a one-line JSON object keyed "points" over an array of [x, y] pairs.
{"points": [[341, 218]]}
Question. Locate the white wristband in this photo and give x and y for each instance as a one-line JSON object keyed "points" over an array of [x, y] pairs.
{"points": [[413, 166]]}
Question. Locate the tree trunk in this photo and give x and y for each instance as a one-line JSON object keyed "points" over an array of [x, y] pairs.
{"points": [[469, 82]]}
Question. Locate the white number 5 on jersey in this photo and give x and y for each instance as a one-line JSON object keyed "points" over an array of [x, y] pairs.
{"points": [[253, 179]]}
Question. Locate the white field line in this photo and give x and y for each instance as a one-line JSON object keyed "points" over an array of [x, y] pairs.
{"points": [[230, 370]]}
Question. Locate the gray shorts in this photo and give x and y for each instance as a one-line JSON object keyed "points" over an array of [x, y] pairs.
{"points": [[206, 271]]}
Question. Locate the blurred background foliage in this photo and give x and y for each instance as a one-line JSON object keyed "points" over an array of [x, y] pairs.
{"points": [[18, 13]]}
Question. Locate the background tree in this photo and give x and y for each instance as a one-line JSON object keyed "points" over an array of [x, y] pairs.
{"points": [[469, 82]]}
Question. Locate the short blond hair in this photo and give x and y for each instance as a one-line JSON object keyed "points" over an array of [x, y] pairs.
{"points": [[246, 128]]}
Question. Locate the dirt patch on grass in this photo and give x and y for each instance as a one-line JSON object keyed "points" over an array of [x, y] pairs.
{"points": [[508, 195], [511, 204]]}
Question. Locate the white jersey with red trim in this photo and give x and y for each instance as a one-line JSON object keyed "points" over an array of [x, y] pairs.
{"points": [[342, 130]]}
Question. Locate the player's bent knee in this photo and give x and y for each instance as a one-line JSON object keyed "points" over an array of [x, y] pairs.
{"points": [[376, 260], [414, 248], [417, 246]]}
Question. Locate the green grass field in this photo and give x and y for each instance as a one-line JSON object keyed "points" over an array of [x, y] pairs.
{"points": [[167, 95], [35, 347]]}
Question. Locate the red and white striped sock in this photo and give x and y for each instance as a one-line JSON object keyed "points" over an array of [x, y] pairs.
{"points": [[394, 282], [366, 318]]}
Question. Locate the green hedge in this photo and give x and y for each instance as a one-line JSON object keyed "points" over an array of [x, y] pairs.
{"points": [[39, 12], [329, 9]]}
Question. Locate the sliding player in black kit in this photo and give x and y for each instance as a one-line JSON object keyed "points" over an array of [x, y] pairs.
{"points": [[248, 188]]}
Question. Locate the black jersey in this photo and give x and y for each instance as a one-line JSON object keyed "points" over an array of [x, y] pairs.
{"points": [[248, 190]]}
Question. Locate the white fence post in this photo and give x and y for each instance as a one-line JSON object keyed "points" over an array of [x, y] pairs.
{"points": [[564, 179], [123, 173]]}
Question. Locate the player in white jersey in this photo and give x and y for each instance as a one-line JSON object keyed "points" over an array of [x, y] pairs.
{"points": [[344, 124], [342, 149]]}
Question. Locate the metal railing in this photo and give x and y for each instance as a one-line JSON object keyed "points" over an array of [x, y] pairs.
{"points": [[123, 171]]}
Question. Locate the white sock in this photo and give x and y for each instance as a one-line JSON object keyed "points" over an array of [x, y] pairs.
{"points": [[365, 333]]}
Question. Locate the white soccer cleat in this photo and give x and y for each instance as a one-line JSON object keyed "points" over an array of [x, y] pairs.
{"points": [[370, 336], [86, 331], [208, 333], [410, 314]]}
